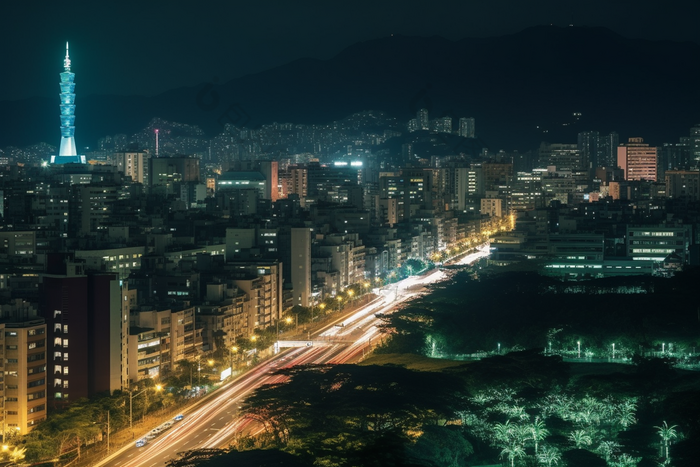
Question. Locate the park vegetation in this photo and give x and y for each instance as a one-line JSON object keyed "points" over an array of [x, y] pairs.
{"points": [[520, 390]]}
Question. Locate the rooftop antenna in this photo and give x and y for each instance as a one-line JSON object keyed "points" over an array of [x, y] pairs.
{"points": [[157, 131]]}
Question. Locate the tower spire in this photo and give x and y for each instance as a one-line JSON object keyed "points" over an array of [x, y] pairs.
{"points": [[66, 61]]}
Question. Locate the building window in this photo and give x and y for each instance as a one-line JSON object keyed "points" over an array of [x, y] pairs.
{"points": [[65, 384], [65, 329], [65, 370], [65, 357], [65, 342]]}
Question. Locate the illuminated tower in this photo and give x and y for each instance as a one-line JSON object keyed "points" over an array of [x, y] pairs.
{"points": [[67, 152]]}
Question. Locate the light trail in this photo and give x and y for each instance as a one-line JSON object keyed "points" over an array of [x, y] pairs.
{"points": [[214, 422]]}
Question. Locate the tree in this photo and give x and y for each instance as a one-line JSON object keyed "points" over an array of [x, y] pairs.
{"points": [[549, 455], [667, 433], [625, 460], [513, 451], [580, 438], [441, 446], [538, 432]]}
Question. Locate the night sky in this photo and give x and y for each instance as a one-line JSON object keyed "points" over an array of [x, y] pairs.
{"points": [[147, 47]]}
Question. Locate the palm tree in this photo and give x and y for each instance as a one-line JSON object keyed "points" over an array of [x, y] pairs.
{"points": [[607, 449], [580, 438], [512, 451], [549, 455], [626, 415], [503, 431], [17, 454], [667, 433], [625, 460], [538, 432]]}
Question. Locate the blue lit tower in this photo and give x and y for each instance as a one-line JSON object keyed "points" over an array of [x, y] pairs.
{"points": [[67, 152]]}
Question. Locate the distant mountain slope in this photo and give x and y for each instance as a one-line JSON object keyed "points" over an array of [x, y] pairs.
{"points": [[510, 84]]}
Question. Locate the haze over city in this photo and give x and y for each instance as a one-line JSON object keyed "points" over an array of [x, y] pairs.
{"points": [[350, 234]]}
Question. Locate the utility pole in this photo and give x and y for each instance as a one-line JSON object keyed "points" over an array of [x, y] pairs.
{"points": [[108, 432]]}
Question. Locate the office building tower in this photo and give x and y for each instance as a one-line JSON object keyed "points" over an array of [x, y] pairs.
{"points": [[638, 160], [422, 119], [561, 156], [467, 127], [588, 148], [67, 152]]}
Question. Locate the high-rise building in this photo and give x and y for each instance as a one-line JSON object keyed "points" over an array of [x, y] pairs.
{"points": [[67, 152], [588, 148], [23, 350], [467, 127], [693, 142], [133, 164], [442, 125], [301, 265], [562, 156], [87, 330], [607, 150], [683, 184], [597, 150], [422, 119], [638, 160], [165, 171]]}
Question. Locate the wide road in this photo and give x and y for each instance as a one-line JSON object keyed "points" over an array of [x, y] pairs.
{"points": [[214, 421]]}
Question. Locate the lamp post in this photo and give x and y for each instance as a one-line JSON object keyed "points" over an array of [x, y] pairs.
{"points": [[322, 306], [613, 350], [131, 398], [499, 348], [579, 348]]}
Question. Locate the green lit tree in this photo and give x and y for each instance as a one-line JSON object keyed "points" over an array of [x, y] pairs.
{"points": [[625, 460], [607, 449], [513, 451], [667, 433], [626, 411], [549, 455], [538, 432], [580, 438]]}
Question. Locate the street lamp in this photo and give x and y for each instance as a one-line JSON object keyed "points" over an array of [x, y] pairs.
{"points": [[579, 348], [613, 350], [322, 306], [131, 398], [499, 348]]}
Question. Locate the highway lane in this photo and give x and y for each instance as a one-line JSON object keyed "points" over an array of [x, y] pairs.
{"points": [[215, 422]]}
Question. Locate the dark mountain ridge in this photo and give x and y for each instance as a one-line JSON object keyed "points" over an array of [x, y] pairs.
{"points": [[511, 84]]}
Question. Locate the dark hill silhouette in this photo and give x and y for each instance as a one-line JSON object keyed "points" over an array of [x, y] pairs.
{"points": [[511, 84]]}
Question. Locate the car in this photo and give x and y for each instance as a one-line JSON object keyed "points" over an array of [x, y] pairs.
{"points": [[141, 442], [167, 425], [178, 417]]}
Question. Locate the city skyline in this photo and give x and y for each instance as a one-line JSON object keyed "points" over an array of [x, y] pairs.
{"points": [[268, 260]]}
